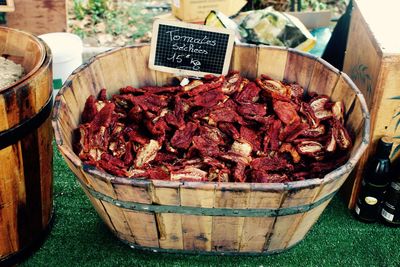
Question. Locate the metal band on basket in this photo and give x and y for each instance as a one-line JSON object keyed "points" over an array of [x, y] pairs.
{"points": [[16, 133], [208, 211]]}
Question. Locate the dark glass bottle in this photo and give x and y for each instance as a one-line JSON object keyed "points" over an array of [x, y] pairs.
{"points": [[390, 213], [375, 183]]}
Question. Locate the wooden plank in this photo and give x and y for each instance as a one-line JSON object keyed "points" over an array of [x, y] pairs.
{"points": [[169, 224], [46, 169], [299, 68], [137, 60], [39, 16], [3, 115], [120, 219], [244, 60], [229, 196], [257, 230], [323, 79], [98, 206], [197, 229], [285, 226], [143, 225], [115, 77], [341, 89], [272, 62], [307, 221], [9, 197], [136, 192]]}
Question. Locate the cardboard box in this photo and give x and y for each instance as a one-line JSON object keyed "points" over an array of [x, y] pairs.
{"points": [[197, 10], [372, 61]]}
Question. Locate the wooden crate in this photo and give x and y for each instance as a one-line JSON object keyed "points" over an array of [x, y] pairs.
{"points": [[372, 61], [38, 16]]}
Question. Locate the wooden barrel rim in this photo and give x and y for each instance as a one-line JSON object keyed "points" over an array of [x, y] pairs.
{"points": [[42, 48], [16, 133], [202, 211], [297, 185], [35, 244]]}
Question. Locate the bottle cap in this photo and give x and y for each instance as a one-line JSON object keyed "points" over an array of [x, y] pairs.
{"points": [[384, 147]]}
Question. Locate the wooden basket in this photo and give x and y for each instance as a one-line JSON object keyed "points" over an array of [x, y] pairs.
{"points": [[203, 216], [26, 153]]}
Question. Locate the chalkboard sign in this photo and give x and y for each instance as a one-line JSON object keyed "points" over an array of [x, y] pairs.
{"points": [[7, 5], [190, 49]]}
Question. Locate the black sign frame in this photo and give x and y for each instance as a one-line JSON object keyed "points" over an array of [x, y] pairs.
{"points": [[190, 49]]}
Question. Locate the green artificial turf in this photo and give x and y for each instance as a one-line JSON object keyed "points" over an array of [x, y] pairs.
{"points": [[79, 238]]}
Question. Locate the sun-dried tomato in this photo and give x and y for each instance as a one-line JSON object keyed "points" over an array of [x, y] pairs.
{"points": [[90, 110], [249, 94], [183, 138], [223, 129], [286, 112]]}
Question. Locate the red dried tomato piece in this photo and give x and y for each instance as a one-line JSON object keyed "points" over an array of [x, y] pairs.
{"points": [[330, 145], [208, 99], [249, 94], [90, 110], [102, 95], [318, 105], [287, 147], [286, 112], [232, 84], [229, 129], [205, 147], [131, 90], [271, 140], [310, 148], [249, 110], [157, 173], [251, 136], [341, 135], [224, 115], [183, 138], [103, 118], [274, 89], [271, 164], [161, 89]]}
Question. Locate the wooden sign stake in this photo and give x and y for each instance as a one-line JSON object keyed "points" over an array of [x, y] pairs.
{"points": [[190, 49]]}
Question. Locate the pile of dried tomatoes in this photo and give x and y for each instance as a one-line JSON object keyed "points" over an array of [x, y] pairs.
{"points": [[225, 129]]}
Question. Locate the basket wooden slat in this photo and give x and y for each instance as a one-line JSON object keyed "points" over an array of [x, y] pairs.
{"points": [[232, 196], [245, 61], [197, 229], [299, 67], [208, 217], [170, 224], [323, 79], [274, 62]]}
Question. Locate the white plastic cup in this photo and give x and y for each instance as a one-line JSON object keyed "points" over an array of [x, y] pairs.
{"points": [[66, 49]]}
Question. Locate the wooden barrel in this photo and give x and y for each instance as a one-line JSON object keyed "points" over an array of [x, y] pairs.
{"points": [[25, 145], [204, 216]]}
